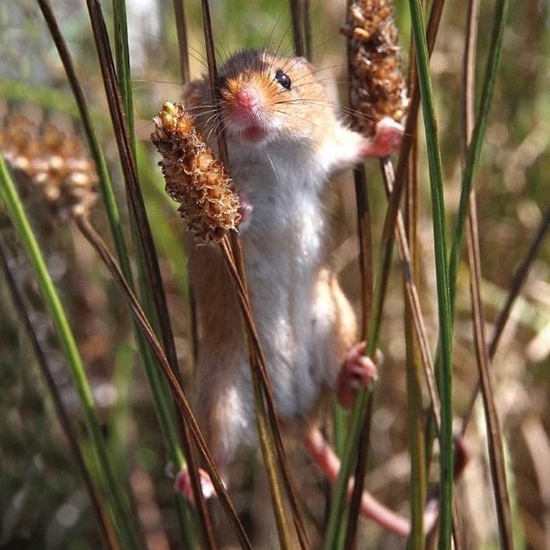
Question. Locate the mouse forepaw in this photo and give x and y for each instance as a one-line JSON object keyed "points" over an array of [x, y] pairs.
{"points": [[386, 140], [357, 371], [182, 484]]}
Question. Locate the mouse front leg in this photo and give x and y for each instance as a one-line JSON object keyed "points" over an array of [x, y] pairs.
{"points": [[345, 147]]}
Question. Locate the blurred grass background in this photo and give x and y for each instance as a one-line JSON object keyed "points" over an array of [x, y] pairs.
{"points": [[42, 500]]}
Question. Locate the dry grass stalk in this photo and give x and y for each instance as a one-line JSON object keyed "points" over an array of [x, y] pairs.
{"points": [[377, 85], [194, 177], [54, 162]]}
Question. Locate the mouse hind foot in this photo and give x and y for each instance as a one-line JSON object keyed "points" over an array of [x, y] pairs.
{"points": [[183, 485], [357, 371]]}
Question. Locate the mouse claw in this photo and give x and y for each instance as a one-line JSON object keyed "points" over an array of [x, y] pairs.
{"points": [[386, 140], [182, 484], [357, 371], [245, 208]]}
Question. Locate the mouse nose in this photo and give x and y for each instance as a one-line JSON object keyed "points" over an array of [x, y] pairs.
{"points": [[248, 97]]}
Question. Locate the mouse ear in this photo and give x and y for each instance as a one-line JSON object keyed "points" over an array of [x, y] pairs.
{"points": [[302, 63], [193, 93]]}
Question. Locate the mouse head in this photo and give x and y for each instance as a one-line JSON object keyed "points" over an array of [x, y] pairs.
{"points": [[264, 99]]}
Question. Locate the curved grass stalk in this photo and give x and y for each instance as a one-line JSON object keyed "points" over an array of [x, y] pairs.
{"points": [[148, 333], [494, 432]]}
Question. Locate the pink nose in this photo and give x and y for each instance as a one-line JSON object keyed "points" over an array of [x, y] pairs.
{"points": [[247, 97]]}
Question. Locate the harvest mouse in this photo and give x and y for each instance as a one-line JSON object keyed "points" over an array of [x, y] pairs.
{"points": [[284, 140]]}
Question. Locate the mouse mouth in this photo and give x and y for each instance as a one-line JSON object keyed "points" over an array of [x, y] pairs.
{"points": [[254, 134]]}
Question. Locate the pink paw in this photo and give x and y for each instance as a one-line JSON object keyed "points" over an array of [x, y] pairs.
{"points": [[358, 370], [386, 140], [182, 484]]}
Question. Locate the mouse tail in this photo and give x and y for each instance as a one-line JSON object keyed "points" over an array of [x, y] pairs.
{"points": [[323, 454]]}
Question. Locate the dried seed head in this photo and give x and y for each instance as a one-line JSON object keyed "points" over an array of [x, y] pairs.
{"points": [[53, 162], [377, 88], [193, 175]]}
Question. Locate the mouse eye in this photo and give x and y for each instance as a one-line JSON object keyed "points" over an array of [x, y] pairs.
{"points": [[283, 79]]}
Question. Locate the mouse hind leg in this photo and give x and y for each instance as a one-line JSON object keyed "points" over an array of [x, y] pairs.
{"points": [[223, 424], [340, 359]]}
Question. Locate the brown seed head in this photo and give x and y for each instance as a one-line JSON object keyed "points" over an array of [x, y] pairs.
{"points": [[377, 88], [193, 175], [54, 162]]}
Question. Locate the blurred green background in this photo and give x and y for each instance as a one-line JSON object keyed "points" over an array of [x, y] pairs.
{"points": [[42, 501]]}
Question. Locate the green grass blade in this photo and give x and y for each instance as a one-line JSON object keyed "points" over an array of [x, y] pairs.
{"points": [[61, 412], [112, 491], [163, 406], [443, 292], [122, 57]]}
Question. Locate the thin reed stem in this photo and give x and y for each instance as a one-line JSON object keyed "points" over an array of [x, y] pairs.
{"points": [[259, 365], [412, 119], [106, 187], [358, 487], [297, 16], [181, 399], [415, 352], [334, 537], [122, 55], [518, 280], [119, 101], [260, 382], [476, 142], [156, 306], [386, 252], [137, 206], [233, 257], [109, 202], [203, 511], [364, 235], [413, 300], [183, 42], [494, 432]]}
